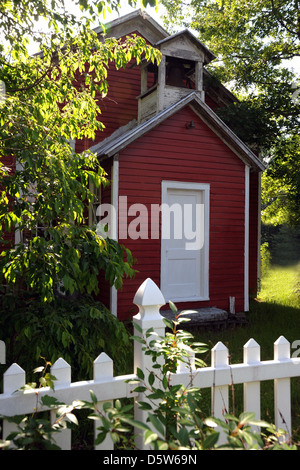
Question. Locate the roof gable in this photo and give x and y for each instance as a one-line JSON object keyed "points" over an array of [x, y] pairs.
{"points": [[125, 136], [186, 46], [137, 21]]}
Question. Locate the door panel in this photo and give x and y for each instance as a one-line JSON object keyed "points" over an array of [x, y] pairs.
{"points": [[183, 258]]}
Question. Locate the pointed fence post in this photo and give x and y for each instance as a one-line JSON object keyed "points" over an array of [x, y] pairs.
{"points": [[61, 370], [220, 395], [282, 390], [103, 368], [13, 380], [149, 299], [252, 389]]}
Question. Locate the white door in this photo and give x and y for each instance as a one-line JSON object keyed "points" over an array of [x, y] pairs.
{"points": [[184, 273]]}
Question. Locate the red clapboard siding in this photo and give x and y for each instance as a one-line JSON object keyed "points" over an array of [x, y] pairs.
{"points": [[120, 105], [172, 152]]}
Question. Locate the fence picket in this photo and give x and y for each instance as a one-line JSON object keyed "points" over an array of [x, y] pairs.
{"points": [[219, 376], [252, 389], [61, 370], [149, 299], [282, 388], [13, 379], [103, 369], [219, 393]]}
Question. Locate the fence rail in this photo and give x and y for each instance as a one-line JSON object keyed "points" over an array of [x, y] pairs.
{"points": [[218, 377]]}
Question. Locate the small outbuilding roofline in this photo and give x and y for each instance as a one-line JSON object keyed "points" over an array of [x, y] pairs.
{"points": [[208, 55], [132, 131], [138, 20]]}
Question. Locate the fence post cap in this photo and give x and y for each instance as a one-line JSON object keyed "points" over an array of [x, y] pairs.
{"points": [[219, 347], [281, 340], [13, 378], [281, 349], [219, 355], [251, 344], [251, 352], [149, 299], [62, 372], [103, 367], [14, 369], [102, 358], [60, 363], [149, 294]]}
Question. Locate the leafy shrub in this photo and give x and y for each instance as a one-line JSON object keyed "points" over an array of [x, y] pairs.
{"points": [[77, 330]]}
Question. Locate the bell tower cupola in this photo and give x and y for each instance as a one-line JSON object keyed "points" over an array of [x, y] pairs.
{"points": [[179, 73]]}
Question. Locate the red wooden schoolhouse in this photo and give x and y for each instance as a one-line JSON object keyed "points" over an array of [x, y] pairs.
{"points": [[185, 189]]}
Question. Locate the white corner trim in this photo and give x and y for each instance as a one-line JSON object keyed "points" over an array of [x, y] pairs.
{"points": [[246, 248], [114, 202], [258, 279]]}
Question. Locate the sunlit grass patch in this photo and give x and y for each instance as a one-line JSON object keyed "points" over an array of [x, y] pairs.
{"points": [[281, 285]]}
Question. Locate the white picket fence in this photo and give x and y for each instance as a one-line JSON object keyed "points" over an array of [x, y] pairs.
{"points": [[219, 377]]}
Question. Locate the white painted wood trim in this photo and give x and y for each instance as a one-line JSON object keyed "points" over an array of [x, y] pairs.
{"points": [[115, 204], [259, 235], [246, 248], [199, 187]]}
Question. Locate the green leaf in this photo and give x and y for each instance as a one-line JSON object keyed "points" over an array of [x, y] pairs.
{"points": [[168, 323], [72, 418], [173, 307], [150, 437], [183, 436], [100, 438], [151, 379], [210, 441], [106, 406], [140, 389], [211, 422], [139, 339], [137, 327], [157, 424], [135, 423], [50, 401], [140, 373], [165, 382], [93, 397], [246, 417], [144, 405]]}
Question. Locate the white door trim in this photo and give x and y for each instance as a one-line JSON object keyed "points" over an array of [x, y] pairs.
{"points": [[205, 187]]}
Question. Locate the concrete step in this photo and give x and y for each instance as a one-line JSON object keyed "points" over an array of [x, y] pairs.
{"points": [[199, 315], [210, 316]]}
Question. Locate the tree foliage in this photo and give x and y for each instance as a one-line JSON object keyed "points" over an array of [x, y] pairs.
{"points": [[44, 108], [281, 184], [254, 42]]}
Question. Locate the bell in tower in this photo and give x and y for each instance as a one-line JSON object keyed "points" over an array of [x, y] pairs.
{"points": [[175, 73]]}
